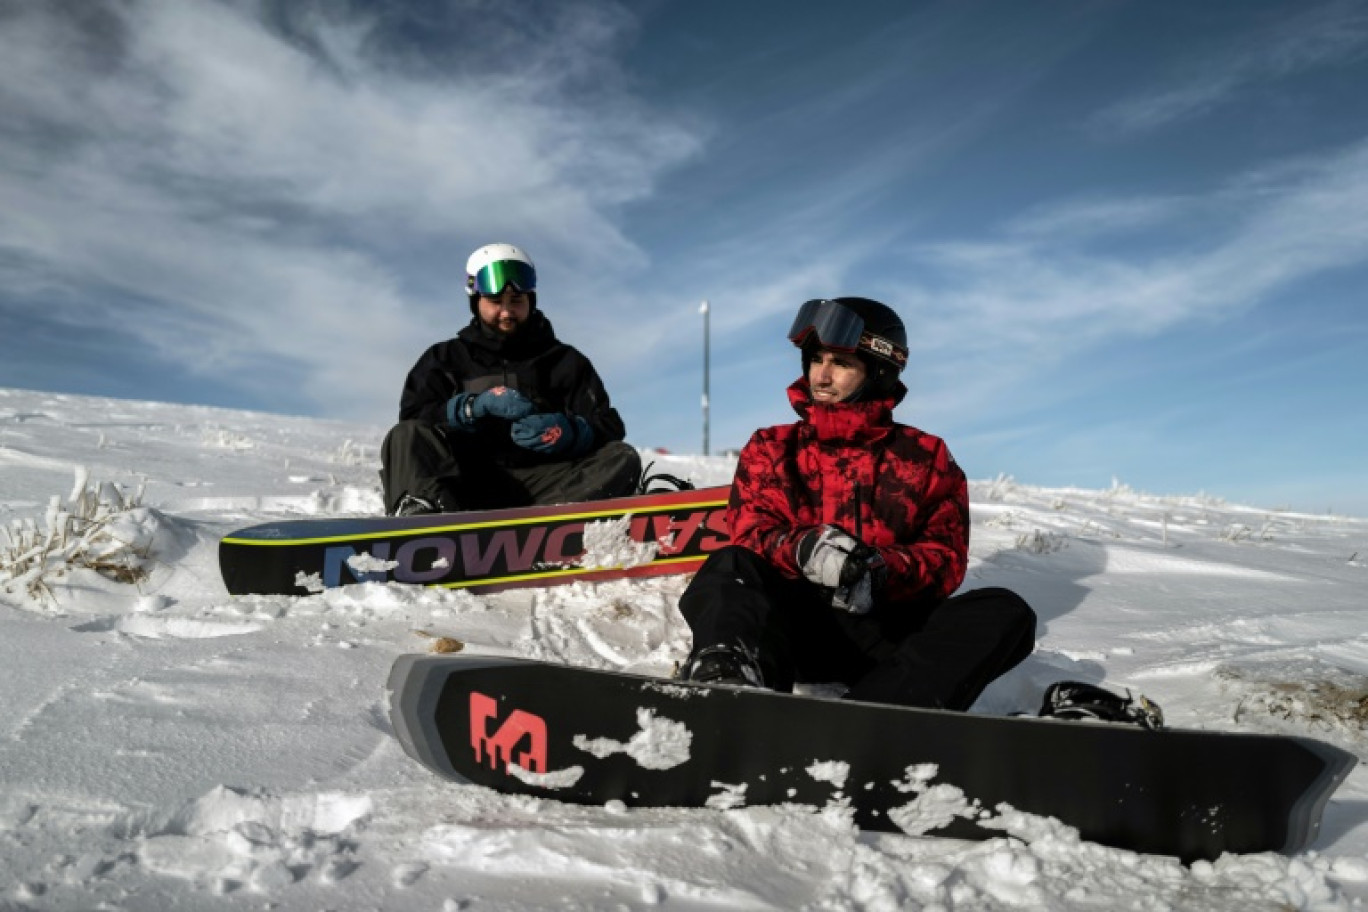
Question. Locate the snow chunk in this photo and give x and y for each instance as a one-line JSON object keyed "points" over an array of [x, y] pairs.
{"points": [[931, 810], [608, 543], [661, 744], [309, 582], [935, 805], [676, 690], [731, 796], [918, 777], [368, 563], [553, 780], [833, 771]]}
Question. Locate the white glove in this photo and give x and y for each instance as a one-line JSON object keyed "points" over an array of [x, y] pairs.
{"points": [[822, 555], [842, 563]]}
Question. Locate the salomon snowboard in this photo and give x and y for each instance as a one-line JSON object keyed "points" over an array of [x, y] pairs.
{"points": [[527, 546], [590, 737]]}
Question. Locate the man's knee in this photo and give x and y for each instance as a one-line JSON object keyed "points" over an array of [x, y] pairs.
{"points": [[616, 466], [622, 463], [1016, 613], [398, 435], [1009, 615], [1010, 609], [408, 433], [729, 574], [739, 562]]}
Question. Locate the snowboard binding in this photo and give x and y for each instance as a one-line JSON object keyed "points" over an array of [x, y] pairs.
{"points": [[1076, 700], [735, 666], [661, 482]]}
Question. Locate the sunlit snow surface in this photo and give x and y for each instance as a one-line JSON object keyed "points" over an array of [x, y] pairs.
{"points": [[166, 746]]}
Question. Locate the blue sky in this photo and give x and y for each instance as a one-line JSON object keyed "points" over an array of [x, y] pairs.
{"points": [[1129, 239]]}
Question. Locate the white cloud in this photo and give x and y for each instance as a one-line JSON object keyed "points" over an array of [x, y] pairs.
{"points": [[246, 187]]}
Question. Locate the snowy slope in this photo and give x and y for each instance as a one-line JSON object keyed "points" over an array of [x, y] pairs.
{"points": [[166, 746]]}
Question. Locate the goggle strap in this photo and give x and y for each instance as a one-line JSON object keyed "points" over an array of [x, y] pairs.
{"points": [[838, 327]]}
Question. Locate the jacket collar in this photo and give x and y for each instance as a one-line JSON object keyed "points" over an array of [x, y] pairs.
{"points": [[853, 422], [535, 337]]}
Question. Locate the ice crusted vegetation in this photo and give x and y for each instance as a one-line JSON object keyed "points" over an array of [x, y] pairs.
{"points": [[101, 528], [1328, 701]]}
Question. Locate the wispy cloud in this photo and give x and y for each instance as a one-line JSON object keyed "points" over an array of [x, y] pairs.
{"points": [[1071, 278], [233, 181], [1308, 37]]}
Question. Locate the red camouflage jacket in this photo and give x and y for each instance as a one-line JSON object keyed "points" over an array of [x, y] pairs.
{"points": [[850, 465]]}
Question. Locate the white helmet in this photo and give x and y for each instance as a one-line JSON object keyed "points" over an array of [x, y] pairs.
{"points": [[495, 266]]}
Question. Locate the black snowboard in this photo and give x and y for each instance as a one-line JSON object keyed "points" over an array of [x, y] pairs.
{"points": [[566, 733]]}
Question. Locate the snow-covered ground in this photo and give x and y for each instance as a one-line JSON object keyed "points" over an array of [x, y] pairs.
{"points": [[166, 746]]}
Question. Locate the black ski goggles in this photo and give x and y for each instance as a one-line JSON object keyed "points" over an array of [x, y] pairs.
{"points": [[494, 277], [837, 326]]}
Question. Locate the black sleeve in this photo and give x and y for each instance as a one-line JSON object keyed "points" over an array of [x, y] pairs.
{"points": [[589, 400], [431, 382]]}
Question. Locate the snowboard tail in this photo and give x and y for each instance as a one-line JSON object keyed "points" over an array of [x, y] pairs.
{"points": [[493, 549], [589, 737]]}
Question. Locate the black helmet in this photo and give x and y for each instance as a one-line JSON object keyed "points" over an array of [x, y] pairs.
{"points": [[873, 331]]}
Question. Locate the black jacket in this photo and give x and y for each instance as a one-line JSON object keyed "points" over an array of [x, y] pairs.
{"points": [[555, 376]]}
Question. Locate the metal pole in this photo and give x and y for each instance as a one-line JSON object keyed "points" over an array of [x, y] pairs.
{"points": [[704, 310]]}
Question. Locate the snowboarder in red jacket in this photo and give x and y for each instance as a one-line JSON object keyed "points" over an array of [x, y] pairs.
{"points": [[850, 534]]}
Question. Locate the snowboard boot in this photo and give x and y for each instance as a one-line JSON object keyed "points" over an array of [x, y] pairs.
{"points": [[411, 505], [1076, 700], [734, 666]]}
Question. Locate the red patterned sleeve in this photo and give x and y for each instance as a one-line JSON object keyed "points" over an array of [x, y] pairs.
{"points": [[932, 566], [760, 513]]}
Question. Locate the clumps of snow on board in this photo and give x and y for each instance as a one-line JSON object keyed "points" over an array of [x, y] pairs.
{"points": [[660, 744], [552, 779], [608, 543], [362, 564], [832, 771], [729, 795], [934, 807]]}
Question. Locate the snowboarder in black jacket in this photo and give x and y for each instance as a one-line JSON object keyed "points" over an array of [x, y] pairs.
{"points": [[505, 414]]}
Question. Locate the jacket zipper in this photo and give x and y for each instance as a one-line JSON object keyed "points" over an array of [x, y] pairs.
{"points": [[858, 537]]}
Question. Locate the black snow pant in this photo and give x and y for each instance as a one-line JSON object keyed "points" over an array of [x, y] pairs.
{"points": [[939, 655], [428, 461]]}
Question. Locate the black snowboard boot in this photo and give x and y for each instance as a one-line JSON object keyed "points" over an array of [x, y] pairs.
{"points": [[410, 505], [731, 665], [1076, 700]]}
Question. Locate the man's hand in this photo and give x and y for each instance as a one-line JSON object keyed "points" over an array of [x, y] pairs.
{"points": [[501, 402], [553, 433], [464, 409], [835, 560]]}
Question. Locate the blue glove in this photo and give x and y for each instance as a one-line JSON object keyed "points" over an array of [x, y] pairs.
{"points": [[553, 433], [464, 409]]}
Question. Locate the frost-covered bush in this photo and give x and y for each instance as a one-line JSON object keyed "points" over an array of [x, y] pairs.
{"points": [[99, 528]]}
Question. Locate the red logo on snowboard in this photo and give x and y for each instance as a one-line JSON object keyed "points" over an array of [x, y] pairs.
{"points": [[497, 749]]}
